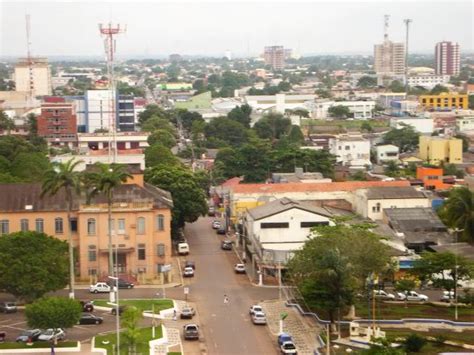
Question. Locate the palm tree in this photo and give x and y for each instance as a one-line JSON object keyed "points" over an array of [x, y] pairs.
{"points": [[458, 212], [104, 180], [63, 176]]}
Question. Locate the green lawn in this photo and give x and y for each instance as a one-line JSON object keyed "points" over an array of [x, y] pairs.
{"points": [[466, 337], [398, 311], [142, 305], [142, 346], [38, 344]]}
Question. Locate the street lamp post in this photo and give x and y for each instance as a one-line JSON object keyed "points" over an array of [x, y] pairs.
{"points": [[117, 313], [456, 234]]}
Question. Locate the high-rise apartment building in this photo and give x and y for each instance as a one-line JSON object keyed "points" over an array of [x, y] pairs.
{"points": [[58, 122], [389, 58], [447, 58], [275, 57], [34, 77]]}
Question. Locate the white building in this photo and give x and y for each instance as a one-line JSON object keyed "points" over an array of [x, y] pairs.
{"points": [[386, 98], [464, 124], [422, 125], [100, 109], [279, 102], [353, 151], [386, 153], [125, 141], [126, 158], [34, 76], [428, 81], [370, 203], [360, 109]]}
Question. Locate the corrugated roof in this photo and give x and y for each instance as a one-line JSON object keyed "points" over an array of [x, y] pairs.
{"points": [[284, 204], [390, 192], [314, 187]]}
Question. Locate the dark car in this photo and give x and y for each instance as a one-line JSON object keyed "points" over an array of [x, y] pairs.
{"points": [[8, 307], [221, 230], [28, 335], [89, 318], [121, 310], [191, 332], [87, 306], [189, 263], [226, 245], [122, 284]]}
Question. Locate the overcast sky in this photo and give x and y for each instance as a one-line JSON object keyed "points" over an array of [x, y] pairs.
{"points": [[211, 28]]}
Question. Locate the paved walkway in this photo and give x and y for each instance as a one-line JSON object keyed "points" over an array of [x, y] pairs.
{"points": [[303, 332]]}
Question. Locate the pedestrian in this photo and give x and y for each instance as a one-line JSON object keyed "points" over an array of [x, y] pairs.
{"points": [[226, 299], [174, 315]]}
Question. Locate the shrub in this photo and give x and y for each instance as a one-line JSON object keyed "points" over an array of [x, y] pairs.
{"points": [[414, 343]]}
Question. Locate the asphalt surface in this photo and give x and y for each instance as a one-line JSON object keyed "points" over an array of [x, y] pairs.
{"points": [[227, 328]]}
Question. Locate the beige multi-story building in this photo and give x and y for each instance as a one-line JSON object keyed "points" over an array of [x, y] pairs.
{"points": [[275, 57], [435, 150], [389, 58], [141, 216], [34, 77]]}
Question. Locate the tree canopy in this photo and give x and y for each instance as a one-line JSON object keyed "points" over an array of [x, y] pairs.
{"points": [[339, 111], [406, 138], [458, 212], [53, 312]]}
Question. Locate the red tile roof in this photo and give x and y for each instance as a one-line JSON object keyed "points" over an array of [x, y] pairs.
{"points": [[232, 182], [314, 187]]}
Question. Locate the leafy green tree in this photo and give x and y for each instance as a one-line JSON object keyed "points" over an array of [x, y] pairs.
{"points": [[414, 343], [339, 111], [32, 123], [403, 285], [228, 162], [11, 146], [438, 89], [405, 138], [391, 168], [154, 123], [285, 161], [63, 176], [366, 126], [458, 212], [226, 131], [396, 86], [284, 86], [53, 312], [151, 111], [451, 169], [367, 82], [295, 136], [241, 114], [323, 94], [272, 126], [187, 118], [159, 155], [6, 123], [255, 161], [30, 166], [163, 137], [129, 320], [471, 102], [104, 180], [32, 264], [126, 89], [189, 200]]}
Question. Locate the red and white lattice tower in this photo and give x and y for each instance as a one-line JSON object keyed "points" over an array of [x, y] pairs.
{"points": [[108, 31]]}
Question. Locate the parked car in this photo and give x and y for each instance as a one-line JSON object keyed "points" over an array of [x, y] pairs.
{"points": [[8, 307], [255, 308], [239, 268], [189, 263], [221, 230], [259, 318], [188, 272], [50, 334], [187, 313], [412, 296], [216, 224], [30, 334], [447, 296], [226, 245], [125, 284], [87, 306], [100, 287], [121, 309], [211, 212], [183, 249], [381, 294], [89, 318], [288, 347], [284, 337], [191, 332]]}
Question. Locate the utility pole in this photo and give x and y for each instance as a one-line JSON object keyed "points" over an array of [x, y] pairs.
{"points": [[407, 25]]}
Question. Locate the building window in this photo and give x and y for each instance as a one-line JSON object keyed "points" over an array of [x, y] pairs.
{"points": [[160, 250], [376, 208], [4, 226], [91, 226], [39, 224], [121, 226], [275, 225], [112, 226], [313, 224], [92, 272], [73, 224], [141, 251], [159, 268], [140, 225], [160, 222], [24, 225], [58, 225], [92, 253]]}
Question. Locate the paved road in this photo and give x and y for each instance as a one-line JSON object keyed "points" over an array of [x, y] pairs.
{"points": [[227, 329]]}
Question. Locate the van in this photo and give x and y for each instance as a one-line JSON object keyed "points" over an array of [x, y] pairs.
{"points": [[183, 248]]}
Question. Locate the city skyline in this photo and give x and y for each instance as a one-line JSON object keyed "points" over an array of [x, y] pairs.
{"points": [[206, 29]]}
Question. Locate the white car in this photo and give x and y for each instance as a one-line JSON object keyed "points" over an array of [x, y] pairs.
{"points": [[259, 318], [99, 287], [381, 294], [288, 347], [216, 224], [50, 334], [412, 296], [255, 308], [239, 268], [447, 296], [188, 271]]}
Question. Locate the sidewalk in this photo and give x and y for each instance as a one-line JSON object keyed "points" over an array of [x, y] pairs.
{"points": [[304, 333]]}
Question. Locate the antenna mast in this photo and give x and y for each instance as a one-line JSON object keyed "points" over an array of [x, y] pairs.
{"points": [[109, 31], [385, 27], [407, 24]]}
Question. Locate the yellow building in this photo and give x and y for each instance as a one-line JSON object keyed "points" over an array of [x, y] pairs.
{"points": [[437, 149], [141, 227], [444, 101]]}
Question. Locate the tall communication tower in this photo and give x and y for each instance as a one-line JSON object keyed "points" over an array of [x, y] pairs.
{"points": [[29, 61], [407, 25], [109, 31], [385, 27]]}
